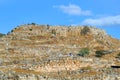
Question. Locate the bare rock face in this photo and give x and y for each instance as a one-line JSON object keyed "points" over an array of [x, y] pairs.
{"points": [[43, 52]]}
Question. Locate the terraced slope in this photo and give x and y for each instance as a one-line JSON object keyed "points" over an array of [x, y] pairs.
{"points": [[43, 52]]}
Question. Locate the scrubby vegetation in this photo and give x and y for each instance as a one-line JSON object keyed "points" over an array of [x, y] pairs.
{"points": [[84, 52], [85, 30], [30, 29], [99, 53], [118, 55], [54, 32], [33, 23], [1, 35]]}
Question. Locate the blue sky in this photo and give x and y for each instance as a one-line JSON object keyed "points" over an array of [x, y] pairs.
{"points": [[103, 14]]}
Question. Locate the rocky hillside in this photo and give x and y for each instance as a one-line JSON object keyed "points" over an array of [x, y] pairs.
{"points": [[81, 36], [43, 52]]}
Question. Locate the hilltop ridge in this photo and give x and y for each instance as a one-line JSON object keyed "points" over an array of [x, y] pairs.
{"points": [[64, 35]]}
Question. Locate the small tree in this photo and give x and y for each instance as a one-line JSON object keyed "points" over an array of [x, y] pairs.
{"points": [[48, 26], [83, 52], [30, 29], [85, 30], [33, 23], [99, 53]]}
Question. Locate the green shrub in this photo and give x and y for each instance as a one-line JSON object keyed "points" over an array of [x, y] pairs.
{"points": [[33, 23], [12, 30], [99, 53], [30, 29], [54, 31], [48, 26], [1, 35], [83, 52], [85, 30], [118, 55]]}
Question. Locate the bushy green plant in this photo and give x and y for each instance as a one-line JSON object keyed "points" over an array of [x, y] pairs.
{"points": [[1, 35], [33, 23], [83, 52], [54, 31], [118, 55], [99, 53], [30, 29], [85, 30], [48, 26]]}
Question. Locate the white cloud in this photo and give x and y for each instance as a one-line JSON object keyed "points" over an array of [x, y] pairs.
{"points": [[72, 9], [109, 20]]}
